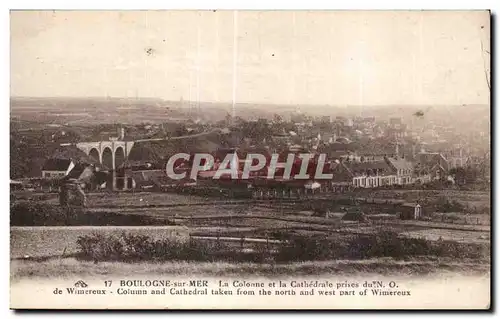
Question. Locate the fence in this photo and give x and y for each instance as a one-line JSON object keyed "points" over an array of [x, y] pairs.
{"points": [[245, 244]]}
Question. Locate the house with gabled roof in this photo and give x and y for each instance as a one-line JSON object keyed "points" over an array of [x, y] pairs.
{"points": [[430, 166], [363, 174], [402, 168], [64, 160], [56, 168], [69, 163]]}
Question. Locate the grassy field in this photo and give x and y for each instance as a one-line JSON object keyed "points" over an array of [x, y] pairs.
{"points": [[53, 241], [473, 198], [253, 219], [49, 241], [454, 235]]}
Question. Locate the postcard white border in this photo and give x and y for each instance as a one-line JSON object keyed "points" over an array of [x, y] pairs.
{"points": [[186, 4]]}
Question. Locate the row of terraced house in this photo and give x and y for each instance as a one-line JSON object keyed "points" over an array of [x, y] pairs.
{"points": [[378, 171]]}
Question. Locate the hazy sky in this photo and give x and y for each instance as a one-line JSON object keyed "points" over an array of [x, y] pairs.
{"points": [[282, 57]]}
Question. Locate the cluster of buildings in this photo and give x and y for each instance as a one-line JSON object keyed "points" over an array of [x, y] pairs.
{"points": [[360, 153], [144, 168]]}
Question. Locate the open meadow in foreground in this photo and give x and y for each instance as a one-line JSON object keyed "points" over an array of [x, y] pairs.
{"points": [[254, 228]]}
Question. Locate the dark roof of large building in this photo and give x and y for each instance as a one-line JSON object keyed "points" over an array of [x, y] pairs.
{"points": [[159, 178], [158, 152], [75, 154], [56, 164], [399, 163], [424, 158], [355, 167], [429, 161]]}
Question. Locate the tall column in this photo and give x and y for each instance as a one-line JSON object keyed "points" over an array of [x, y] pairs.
{"points": [[125, 180], [113, 159]]}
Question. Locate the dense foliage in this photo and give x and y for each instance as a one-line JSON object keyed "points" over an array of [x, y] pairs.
{"points": [[127, 247]]}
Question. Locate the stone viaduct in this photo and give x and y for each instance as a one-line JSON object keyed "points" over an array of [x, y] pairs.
{"points": [[111, 154]]}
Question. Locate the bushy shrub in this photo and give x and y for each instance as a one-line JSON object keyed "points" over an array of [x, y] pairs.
{"points": [[309, 248], [459, 250], [130, 247], [445, 205], [100, 247], [387, 244], [383, 244]]}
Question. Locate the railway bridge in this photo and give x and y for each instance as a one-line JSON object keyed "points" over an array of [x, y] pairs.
{"points": [[111, 154]]}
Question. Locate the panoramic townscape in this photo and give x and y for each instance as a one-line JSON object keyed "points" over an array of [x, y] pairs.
{"points": [[421, 175], [208, 152]]}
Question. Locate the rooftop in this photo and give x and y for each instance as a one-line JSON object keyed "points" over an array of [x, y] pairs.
{"points": [[56, 164], [400, 163]]}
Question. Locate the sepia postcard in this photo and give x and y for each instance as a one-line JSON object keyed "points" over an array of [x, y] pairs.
{"points": [[221, 159]]}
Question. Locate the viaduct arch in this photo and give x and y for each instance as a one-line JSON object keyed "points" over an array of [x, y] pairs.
{"points": [[107, 159], [110, 154]]}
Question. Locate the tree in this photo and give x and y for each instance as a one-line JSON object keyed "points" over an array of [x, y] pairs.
{"points": [[257, 130], [464, 175]]}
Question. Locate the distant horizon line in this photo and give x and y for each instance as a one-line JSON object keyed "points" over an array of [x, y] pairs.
{"points": [[230, 102]]}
